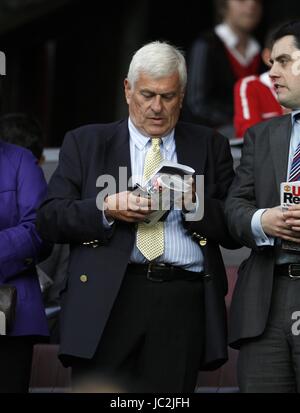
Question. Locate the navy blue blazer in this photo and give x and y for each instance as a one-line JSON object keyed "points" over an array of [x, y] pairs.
{"points": [[70, 215]]}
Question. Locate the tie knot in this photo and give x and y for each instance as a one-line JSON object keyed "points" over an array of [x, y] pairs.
{"points": [[155, 142]]}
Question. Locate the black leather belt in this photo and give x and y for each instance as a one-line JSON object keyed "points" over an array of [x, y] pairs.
{"points": [[288, 270], [163, 272]]}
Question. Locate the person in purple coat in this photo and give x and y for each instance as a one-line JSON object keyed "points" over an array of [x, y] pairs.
{"points": [[22, 189]]}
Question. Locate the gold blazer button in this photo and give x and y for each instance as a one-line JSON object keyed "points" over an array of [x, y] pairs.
{"points": [[203, 242], [83, 278]]}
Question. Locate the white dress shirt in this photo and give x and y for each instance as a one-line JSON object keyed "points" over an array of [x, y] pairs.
{"points": [[179, 249]]}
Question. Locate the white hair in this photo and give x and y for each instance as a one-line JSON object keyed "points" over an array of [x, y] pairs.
{"points": [[157, 59]]}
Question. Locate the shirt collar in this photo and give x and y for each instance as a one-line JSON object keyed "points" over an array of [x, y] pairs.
{"points": [[140, 141], [230, 39], [293, 114]]}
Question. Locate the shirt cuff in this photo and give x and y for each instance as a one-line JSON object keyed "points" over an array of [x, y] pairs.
{"points": [[260, 238], [107, 223]]}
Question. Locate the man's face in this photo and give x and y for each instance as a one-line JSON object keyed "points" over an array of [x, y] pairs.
{"points": [[243, 14], [285, 71], [154, 104]]}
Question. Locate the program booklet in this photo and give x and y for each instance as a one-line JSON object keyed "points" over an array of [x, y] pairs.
{"points": [[166, 185], [289, 195]]}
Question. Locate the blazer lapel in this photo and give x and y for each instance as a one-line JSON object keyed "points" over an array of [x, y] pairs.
{"points": [[117, 156], [187, 153], [279, 138]]}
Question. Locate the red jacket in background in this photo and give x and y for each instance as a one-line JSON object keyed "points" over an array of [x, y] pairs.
{"points": [[254, 101]]}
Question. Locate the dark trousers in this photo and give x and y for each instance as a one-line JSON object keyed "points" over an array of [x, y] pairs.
{"points": [[15, 363], [153, 341], [271, 363]]}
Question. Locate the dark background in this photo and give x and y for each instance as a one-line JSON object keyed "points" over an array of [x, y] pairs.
{"points": [[66, 59]]}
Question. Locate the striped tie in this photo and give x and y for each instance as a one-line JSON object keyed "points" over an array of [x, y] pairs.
{"points": [[150, 239], [295, 167]]}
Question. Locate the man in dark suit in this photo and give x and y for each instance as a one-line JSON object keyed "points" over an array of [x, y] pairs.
{"points": [[266, 303], [154, 321]]}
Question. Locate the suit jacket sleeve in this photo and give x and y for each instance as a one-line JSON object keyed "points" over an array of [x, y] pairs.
{"points": [[213, 224], [65, 217], [241, 203], [20, 244]]}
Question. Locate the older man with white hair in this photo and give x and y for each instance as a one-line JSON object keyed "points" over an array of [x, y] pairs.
{"points": [[134, 309]]}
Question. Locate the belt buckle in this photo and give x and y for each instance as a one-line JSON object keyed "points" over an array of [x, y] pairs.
{"points": [[149, 277], [290, 271]]}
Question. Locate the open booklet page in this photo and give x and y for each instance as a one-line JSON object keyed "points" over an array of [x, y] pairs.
{"points": [[166, 188]]}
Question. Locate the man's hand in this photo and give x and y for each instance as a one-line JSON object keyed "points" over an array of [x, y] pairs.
{"points": [[285, 225], [292, 218], [126, 206]]}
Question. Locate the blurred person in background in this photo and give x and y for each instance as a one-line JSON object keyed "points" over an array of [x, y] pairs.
{"points": [[255, 99], [22, 189], [219, 58], [24, 130]]}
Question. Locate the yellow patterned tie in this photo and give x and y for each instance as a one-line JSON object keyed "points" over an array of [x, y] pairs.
{"points": [[150, 239]]}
